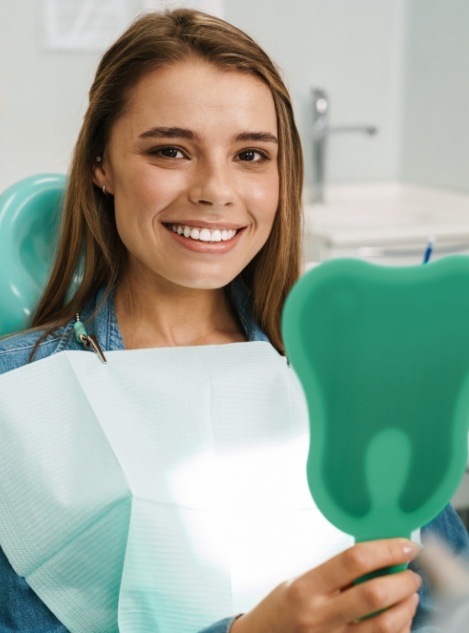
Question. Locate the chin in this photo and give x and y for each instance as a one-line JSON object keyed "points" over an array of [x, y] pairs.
{"points": [[210, 283], [206, 279]]}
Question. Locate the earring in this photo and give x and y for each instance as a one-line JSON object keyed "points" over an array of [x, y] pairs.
{"points": [[98, 159], [104, 189]]}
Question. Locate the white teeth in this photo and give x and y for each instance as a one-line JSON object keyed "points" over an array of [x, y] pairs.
{"points": [[203, 234]]}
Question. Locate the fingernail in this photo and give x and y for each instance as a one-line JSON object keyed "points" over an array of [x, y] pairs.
{"points": [[410, 549], [415, 598], [418, 580]]}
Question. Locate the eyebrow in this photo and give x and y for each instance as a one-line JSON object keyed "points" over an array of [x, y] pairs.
{"points": [[179, 132], [169, 132], [265, 137]]}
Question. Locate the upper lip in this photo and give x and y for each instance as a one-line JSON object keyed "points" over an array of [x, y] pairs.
{"points": [[202, 224]]}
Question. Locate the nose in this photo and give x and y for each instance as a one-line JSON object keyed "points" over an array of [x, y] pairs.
{"points": [[212, 185]]}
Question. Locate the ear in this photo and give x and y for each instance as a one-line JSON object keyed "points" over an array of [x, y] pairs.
{"points": [[100, 176]]}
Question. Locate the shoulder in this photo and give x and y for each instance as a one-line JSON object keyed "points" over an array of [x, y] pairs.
{"points": [[16, 350], [99, 315]]}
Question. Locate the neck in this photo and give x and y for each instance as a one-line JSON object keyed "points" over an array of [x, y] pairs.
{"points": [[155, 314]]}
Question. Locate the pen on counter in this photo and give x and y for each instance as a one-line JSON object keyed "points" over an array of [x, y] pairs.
{"points": [[428, 250]]}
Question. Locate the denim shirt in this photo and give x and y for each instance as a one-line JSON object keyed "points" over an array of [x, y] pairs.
{"points": [[20, 608]]}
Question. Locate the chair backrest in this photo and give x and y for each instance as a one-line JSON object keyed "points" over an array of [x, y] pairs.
{"points": [[29, 217]]}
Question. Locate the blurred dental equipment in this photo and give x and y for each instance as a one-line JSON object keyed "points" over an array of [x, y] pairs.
{"points": [[449, 577]]}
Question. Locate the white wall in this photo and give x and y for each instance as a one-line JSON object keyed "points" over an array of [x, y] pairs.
{"points": [[435, 138], [42, 96]]}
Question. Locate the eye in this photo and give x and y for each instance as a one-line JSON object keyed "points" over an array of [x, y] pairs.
{"points": [[167, 152], [253, 156]]}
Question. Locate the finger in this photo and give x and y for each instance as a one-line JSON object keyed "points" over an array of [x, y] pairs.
{"points": [[340, 572], [397, 619], [379, 594], [372, 596]]}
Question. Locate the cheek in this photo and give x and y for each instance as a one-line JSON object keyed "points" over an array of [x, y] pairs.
{"points": [[161, 188], [267, 202], [262, 192], [125, 225], [145, 187]]}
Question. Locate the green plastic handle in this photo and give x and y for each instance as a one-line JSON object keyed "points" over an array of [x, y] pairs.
{"points": [[29, 215], [383, 357]]}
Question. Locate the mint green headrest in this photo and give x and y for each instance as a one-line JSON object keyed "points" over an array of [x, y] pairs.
{"points": [[383, 357], [29, 216]]}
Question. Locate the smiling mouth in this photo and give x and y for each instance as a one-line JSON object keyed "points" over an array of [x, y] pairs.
{"points": [[203, 234]]}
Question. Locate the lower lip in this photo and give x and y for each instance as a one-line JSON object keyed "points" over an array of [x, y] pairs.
{"points": [[211, 248]]}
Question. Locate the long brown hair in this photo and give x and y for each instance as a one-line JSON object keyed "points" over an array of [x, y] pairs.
{"points": [[89, 241]]}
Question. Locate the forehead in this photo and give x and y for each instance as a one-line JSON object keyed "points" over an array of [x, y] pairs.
{"points": [[198, 93]]}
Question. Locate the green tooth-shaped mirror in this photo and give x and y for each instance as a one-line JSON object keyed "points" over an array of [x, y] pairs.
{"points": [[383, 357]]}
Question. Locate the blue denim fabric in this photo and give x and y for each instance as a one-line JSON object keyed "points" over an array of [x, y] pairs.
{"points": [[20, 608]]}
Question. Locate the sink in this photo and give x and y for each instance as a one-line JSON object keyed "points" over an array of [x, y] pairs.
{"points": [[365, 216], [388, 223]]}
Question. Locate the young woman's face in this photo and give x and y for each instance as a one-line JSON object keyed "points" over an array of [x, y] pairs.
{"points": [[192, 165]]}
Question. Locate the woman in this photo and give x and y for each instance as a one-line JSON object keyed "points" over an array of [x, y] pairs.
{"points": [[183, 215]]}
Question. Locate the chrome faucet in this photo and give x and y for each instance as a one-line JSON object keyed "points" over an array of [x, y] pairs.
{"points": [[321, 131]]}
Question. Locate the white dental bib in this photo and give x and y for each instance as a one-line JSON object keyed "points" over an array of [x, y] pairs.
{"points": [[161, 492]]}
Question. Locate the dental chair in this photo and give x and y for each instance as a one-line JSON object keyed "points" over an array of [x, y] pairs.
{"points": [[29, 217]]}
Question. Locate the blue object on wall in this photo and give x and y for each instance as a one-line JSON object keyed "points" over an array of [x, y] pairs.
{"points": [[29, 218]]}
